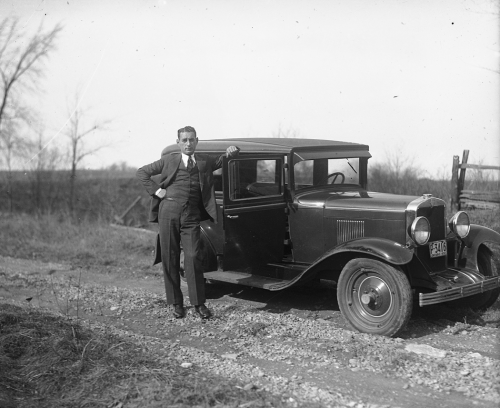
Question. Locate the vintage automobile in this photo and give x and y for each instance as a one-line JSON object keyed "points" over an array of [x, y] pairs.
{"points": [[295, 211]]}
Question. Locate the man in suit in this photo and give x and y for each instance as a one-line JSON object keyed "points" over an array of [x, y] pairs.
{"points": [[183, 197]]}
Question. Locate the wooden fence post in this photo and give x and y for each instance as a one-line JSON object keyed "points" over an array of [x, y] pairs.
{"points": [[454, 185], [461, 178], [473, 199], [121, 219]]}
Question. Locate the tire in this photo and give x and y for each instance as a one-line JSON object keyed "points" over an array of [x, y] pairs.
{"points": [[374, 297], [484, 300]]}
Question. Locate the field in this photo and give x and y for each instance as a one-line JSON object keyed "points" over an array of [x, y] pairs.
{"points": [[107, 194], [99, 194]]}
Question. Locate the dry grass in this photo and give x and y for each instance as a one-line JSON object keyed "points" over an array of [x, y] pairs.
{"points": [[487, 218], [84, 243], [50, 361]]}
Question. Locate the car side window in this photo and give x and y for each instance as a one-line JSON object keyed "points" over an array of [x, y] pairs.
{"points": [[250, 178], [320, 172]]}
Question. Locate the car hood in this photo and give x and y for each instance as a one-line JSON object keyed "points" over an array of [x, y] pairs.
{"points": [[355, 199]]}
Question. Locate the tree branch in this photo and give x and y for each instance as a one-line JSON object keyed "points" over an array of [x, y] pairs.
{"points": [[15, 62]]}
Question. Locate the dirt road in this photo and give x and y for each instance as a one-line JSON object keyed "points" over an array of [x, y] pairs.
{"points": [[294, 343]]}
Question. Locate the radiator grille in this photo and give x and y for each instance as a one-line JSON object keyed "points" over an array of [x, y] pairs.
{"points": [[436, 217], [348, 229]]}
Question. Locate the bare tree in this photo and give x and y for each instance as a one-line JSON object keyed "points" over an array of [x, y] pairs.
{"points": [[286, 133], [78, 133], [22, 58], [46, 160], [12, 144], [9, 144]]}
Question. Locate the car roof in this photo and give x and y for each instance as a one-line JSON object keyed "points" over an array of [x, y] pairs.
{"points": [[270, 145]]}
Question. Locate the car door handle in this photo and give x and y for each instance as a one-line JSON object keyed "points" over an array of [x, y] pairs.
{"points": [[233, 216]]}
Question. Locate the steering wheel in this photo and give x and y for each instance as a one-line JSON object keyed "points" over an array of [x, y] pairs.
{"points": [[335, 176]]}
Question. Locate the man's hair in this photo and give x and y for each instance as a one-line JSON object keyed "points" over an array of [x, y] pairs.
{"points": [[186, 129]]}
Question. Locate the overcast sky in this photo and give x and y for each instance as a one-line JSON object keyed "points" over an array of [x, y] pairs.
{"points": [[417, 78]]}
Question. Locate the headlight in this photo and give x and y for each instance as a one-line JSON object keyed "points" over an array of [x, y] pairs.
{"points": [[460, 224], [420, 230]]}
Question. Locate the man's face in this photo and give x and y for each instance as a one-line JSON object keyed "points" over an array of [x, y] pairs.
{"points": [[187, 142]]}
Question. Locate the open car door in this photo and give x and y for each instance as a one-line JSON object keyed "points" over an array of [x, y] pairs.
{"points": [[254, 218]]}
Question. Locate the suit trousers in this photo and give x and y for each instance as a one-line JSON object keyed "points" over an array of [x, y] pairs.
{"points": [[181, 224]]}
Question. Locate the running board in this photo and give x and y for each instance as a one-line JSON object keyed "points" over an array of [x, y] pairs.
{"points": [[247, 279], [294, 273]]}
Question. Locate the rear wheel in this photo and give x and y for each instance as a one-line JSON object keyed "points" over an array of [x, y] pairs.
{"points": [[374, 297], [182, 272], [209, 259]]}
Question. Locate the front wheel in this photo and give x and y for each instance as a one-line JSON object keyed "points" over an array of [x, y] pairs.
{"points": [[374, 297]]}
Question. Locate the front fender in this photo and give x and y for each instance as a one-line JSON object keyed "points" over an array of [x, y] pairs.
{"points": [[384, 249], [478, 235]]}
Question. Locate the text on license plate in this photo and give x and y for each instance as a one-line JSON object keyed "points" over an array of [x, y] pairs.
{"points": [[437, 248]]}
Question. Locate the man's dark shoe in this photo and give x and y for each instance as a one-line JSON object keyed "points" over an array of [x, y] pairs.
{"points": [[179, 311], [203, 311]]}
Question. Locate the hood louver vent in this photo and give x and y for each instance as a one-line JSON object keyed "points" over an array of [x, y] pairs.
{"points": [[348, 229]]}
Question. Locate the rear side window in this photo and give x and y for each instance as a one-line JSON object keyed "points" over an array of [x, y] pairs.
{"points": [[254, 178]]}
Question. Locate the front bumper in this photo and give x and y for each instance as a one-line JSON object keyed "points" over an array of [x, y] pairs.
{"points": [[459, 292]]}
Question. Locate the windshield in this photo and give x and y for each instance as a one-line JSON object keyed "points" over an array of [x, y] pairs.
{"points": [[324, 171]]}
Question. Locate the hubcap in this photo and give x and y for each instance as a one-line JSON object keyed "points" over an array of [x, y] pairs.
{"points": [[372, 296]]}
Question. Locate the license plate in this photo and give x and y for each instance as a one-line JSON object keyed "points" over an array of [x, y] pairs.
{"points": [[437, 248]]}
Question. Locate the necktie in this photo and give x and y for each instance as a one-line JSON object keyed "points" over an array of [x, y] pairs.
{"points": [[190, 164]]}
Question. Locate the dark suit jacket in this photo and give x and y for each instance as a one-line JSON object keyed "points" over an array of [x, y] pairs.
{"points": [[167, 166]]}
